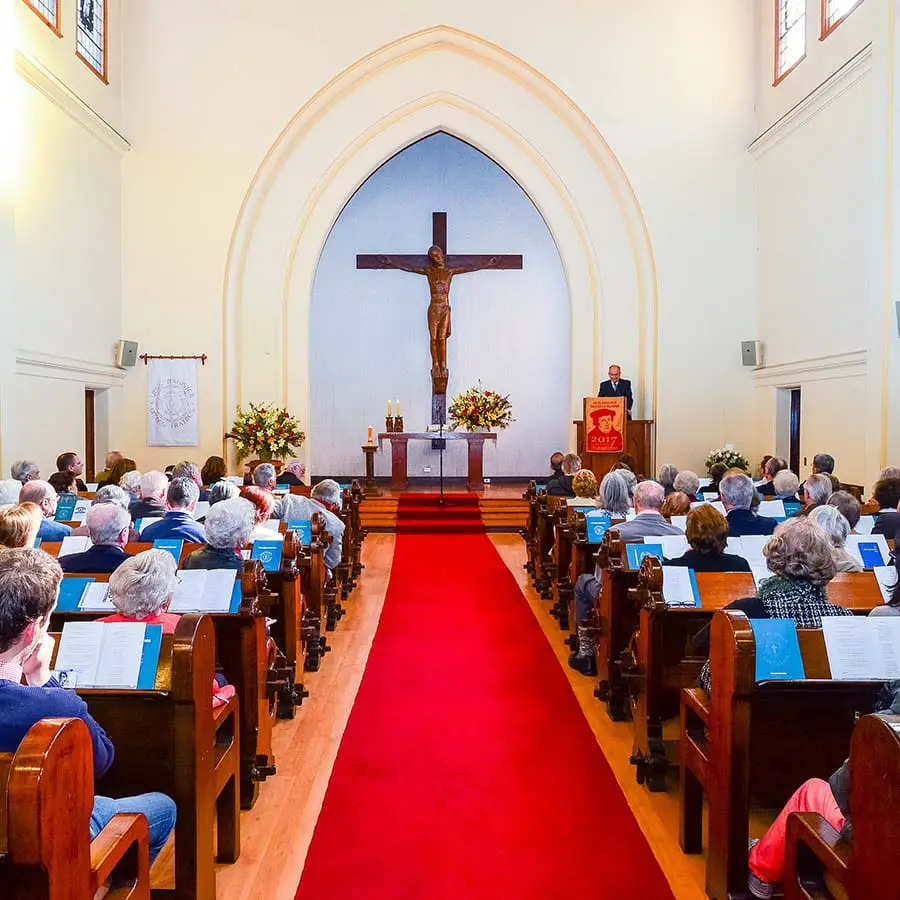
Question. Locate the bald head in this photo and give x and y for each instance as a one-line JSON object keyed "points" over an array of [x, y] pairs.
{"points": [[108, 523], [649, 496], [41, 493]]}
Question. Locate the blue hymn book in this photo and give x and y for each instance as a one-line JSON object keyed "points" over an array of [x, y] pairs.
{"points": [[777, 650], [636, 552]]}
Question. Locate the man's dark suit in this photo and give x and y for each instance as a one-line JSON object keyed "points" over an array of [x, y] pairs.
{"points": [[99, 558], [624, 390]]}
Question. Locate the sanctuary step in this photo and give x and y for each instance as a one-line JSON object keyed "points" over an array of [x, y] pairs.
{"points": [[498, 514]]}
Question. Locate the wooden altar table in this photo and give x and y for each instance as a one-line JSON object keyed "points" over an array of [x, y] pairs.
{"points": [[400, 444]]}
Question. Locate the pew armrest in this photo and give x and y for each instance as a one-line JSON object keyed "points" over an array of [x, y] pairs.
{"points": [[123, 832], [697, 700], [819, 838]]}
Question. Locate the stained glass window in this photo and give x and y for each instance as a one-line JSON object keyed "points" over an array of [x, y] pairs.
{"points": [[790, 42], [834, 12], [48, 10], [91, 34]]}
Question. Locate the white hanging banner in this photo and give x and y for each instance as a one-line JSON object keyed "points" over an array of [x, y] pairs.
{"points": [[172, 403]]}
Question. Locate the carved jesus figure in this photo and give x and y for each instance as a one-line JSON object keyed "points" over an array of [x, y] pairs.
{"points": [[439, 276]]}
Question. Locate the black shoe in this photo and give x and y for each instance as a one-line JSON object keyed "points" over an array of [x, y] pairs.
{"points": [[586, 665]]}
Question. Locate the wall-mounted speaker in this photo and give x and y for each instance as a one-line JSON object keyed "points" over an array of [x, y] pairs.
{"points": [[126, 354], [751, 353]]}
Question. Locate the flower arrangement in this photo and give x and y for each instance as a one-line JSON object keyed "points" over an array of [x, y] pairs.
{"points": [[266, 431], [732, 458], [476, 408]]}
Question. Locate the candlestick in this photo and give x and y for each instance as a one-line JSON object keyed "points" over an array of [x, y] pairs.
{"points": [[389, 424], [370, 435], [390, 412], [397, 414]]}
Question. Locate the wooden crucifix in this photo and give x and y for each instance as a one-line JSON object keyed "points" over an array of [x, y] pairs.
{"points": [[439, 267]]}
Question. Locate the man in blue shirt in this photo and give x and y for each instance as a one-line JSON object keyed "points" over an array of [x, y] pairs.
{"points": [[29, 584], [178, 523], [44, 495], [109, 526]]}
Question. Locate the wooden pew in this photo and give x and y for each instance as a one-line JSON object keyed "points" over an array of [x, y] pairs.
{"points": [[813, 846], [661, 659], [545, 536], [529, 532], [170, 739], [750, 742], [563, 585], [45, 806], [313, 580], [357, 495]]}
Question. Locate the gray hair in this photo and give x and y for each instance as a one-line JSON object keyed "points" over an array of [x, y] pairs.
{"points": [[786, 483], [833, 522], [106, 521], [889, 472], [187, 469], [264, 475], [25, 470], [183, 493], [801, 550], [775, 465], [36, 492], [131, 483], [296, 467], [818, 488], [229, 523], [223, 490], [142, 585], [687, 482], [667, 475], [154, 485], [327, 491], [112, 493], [630, 480], [10, 489], [848, 505], [571, 463], [823, 463], [614, 496], [737, 491], [649, 495]]}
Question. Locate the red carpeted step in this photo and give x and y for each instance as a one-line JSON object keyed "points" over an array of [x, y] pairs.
{"points": [[467, 769]]}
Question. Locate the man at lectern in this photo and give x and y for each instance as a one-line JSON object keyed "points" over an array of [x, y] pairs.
{"points": [[617, 386]]}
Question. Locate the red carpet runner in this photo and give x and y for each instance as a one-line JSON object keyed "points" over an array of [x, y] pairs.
{"points": [[467, 769]]}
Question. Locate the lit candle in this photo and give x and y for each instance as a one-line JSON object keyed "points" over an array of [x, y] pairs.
{"points": [[398, 409], [390, 413], [370, 435]]}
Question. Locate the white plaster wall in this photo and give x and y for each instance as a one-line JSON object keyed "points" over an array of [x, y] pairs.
{"points": [[670, 88]]}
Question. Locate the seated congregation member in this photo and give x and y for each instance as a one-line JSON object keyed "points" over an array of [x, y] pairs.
{"points": [[109, 526], [29, 584], [707, 535], [19, 525], [263, 503], [71, 462], [629, 462], [178, 524], [785, 485], [562, 487], [111, 459], [264, 477], [887, 495], [213, 470], [120, 469], [831, 799], [556, 472], [816, 491], [648, 522], [737, 493], [109, 493], [849, 507], [23, 470], [141, 590], [293, 474], [153, 497], [221, 490], [774, 465], [64, 483], [666, 477], [584, 483], [889, 472], [837, 528], [801, 562], [892, 607], [229, 524], [676, 504], [9, 491], [613, 497], [823, 464], [42, 494], [717, 472], [631, 483], [325, 498], [688, 483], [188, 469], [130, 482]]}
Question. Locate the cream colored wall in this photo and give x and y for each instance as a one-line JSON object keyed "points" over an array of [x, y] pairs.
{"points": [[65, 244], [665, 219]]}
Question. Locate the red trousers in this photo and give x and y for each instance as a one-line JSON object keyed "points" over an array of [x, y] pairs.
{"points": [[767, 857]]}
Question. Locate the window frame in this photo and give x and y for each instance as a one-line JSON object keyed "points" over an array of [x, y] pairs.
{"points": [[104, 75], [56, 29], [780, 76], [827, 29]]}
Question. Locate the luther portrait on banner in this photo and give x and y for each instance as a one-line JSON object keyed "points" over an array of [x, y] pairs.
{"points": [[604, 421], [172, 407]]}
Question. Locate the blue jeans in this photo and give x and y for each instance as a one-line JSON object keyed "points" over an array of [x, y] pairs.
{"points": [[587, 590], [158, 808]]}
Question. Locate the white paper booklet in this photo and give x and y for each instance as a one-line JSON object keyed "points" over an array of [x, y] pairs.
{"points": [[203, 591], [714, 503], [859, 546], [679, 522], [865, 525], [73, 544], [103, 654], [96, 598], [886, 576], [82, 505], [673, 545], [150, 520], [772, 509], [678, 590], [202, 509], [861, 649]]}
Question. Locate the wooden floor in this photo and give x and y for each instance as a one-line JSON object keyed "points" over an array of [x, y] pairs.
{"points": [[277, 832]]}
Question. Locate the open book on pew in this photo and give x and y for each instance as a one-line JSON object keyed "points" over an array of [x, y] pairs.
{"points": [[715, 504], [863, 649], [680, 587], [886, 576], [84, 594], [597, 524], [303, 529], [109, 654], [206, 591], [772, 509], [268, 553], [869, 550], [73, 544]]}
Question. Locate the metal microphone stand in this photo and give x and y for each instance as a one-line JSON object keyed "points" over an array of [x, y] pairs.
{"points": [[443, 443]]}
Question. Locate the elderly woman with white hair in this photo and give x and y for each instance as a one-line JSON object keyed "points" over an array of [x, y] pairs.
{"points": [[835, 525], [688, 483], [141, 590], [326, 500], [228, 528], [23, 470], [666, 477], [613, 498], [131, 484], [293, 474]]}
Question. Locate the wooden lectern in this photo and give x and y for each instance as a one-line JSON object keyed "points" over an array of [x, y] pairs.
{"points": [[638, 443]]}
